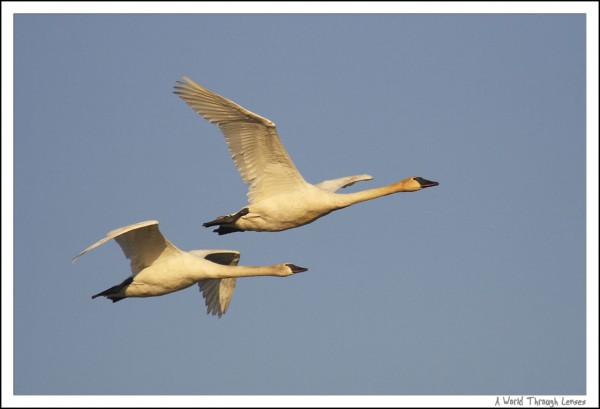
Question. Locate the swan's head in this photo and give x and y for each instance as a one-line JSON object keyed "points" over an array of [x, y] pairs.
{"points": [[417, 183], [288, 269]]}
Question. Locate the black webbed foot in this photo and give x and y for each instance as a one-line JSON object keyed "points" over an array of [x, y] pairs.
{"points": [[230, 219], [115, 290], [226, 230]]}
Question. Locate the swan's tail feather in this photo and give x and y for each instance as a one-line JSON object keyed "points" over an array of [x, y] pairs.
{"points": [[112, 292]]}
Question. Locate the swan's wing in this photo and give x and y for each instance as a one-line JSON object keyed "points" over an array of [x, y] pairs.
{"points": [[217, 292], [142, 243], [334, 185], [225, 257], [253, 143]]}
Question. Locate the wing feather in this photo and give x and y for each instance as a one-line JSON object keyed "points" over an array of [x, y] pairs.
{"points": [[142, 243], [253, 142], [334, 185], [217, 292]]}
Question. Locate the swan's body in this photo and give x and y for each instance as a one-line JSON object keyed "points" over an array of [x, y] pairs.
{"points": [[159, 268], [279, 197]]}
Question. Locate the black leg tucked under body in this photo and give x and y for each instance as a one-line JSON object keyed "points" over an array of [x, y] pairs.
{"points": [[230, 219], [115, 290]]}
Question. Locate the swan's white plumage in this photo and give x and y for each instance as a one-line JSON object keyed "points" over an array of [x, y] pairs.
{"points": [[279, 197], [159, 268]]}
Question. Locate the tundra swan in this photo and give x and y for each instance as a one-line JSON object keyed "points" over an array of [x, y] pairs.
{"points": [[159, 268], [279, 197]]}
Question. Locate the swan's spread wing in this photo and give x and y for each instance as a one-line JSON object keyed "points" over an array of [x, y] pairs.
{"points": [[254, 145], [142, 243], [334, 185], [217, 292]]}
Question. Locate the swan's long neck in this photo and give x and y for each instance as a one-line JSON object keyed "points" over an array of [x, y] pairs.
{"points": [[348, 199], [223, 271]]}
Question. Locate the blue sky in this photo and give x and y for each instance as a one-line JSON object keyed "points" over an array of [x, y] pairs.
{"points": [[474, 287]]}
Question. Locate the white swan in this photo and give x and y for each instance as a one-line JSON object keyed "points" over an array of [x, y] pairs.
{"points": [[279, 197], [159, 268]]}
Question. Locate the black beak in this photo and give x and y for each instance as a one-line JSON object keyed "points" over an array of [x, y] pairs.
{"points": [[295, 269], [426, 183]]}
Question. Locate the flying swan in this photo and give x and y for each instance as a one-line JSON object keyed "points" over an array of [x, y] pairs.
{"points": [[159, 268], [279, 197]]}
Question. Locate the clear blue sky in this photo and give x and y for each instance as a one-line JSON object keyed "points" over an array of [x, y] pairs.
{"points": [[474, 287]]}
